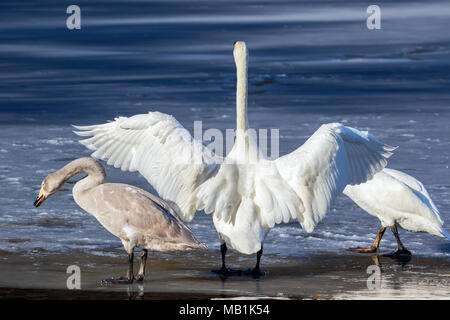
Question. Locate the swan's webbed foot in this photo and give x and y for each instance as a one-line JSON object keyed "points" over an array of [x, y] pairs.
{"points": [[226, 272], [255, 273], [399, 252], [118, 280], [123, 280], [363, 250], [402, 251]]}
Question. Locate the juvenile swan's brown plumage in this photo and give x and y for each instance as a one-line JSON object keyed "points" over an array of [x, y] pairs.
{"points": [[137, 217]]}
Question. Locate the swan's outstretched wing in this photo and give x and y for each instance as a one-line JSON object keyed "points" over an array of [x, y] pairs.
{"points": [[160, 148], [334, 156]]}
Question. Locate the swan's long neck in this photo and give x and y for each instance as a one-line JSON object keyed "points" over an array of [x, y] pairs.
{"points": [[241, 95], [94, 170], [245, 149]]}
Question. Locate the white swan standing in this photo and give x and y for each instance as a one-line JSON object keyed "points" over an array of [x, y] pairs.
{"points": [[246, 194], [135, 216], [397, 198]]}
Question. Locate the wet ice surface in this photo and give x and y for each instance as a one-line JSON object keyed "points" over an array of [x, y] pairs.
{"points": [[309, 64]]}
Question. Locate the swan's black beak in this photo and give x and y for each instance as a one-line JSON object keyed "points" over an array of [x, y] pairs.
{"points": [[40, 198]]}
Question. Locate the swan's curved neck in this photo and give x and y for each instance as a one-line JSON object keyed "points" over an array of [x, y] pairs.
{"points": [[94, 170], [241, 96]]}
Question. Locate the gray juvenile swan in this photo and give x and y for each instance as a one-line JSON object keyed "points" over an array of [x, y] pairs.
{"points": [[135, 216]]}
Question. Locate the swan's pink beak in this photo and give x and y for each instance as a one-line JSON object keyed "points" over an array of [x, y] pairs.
{"points": [[40, 198]]}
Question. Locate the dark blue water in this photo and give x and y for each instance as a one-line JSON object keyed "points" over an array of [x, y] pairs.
{"points": [[310, 63]]}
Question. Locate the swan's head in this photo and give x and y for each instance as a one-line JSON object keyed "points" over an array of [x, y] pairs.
{"points": [[240, 53], [50, 185]]}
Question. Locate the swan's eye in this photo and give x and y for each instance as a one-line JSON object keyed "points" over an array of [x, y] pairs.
{"points": [[234, 44]]}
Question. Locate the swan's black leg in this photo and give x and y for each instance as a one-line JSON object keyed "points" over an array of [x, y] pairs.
{"points": [[128, 278], [224, 271], [374, 247], [401, 250], [256, 271], [141, 273]]}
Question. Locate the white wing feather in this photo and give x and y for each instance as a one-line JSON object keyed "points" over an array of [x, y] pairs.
{"points": [[160, 148], [334, 156]]}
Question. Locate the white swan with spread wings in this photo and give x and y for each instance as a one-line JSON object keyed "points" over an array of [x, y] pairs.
{"points": [[245, 193]]}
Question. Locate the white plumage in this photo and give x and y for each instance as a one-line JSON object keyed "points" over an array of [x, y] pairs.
{"points": [[246, 193], [397, 198]]}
